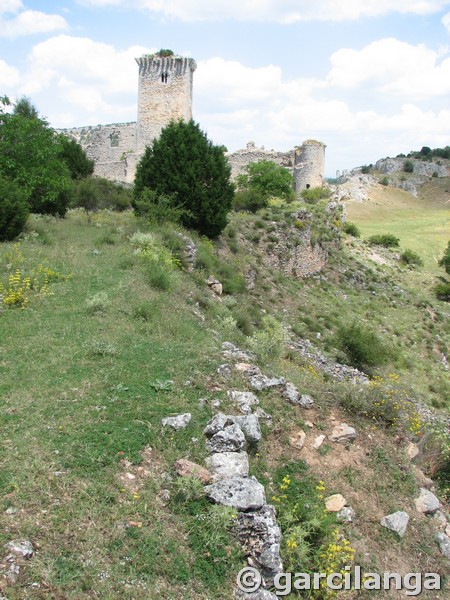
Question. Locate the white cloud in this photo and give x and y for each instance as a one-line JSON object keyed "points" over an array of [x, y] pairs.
{"points": [[27, 22], [446, 21], [9, 76], [281, 11], [94, 82], [235, 104], [393, 67], [10, 6]]}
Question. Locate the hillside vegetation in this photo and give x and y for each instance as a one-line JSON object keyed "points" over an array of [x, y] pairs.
{"points": [[109, 327]]}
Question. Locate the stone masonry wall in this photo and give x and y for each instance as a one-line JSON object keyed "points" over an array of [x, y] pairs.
{"points": [[165, 94], [112, 147]]}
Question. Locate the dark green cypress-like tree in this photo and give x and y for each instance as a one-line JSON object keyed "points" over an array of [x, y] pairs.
{"points": [[75, 157], [184, 165]]}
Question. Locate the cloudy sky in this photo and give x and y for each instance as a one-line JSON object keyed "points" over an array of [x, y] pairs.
{"points": [[369, 78]]}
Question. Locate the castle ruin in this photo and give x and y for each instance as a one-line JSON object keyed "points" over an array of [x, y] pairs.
{"points": [[165, 95]]}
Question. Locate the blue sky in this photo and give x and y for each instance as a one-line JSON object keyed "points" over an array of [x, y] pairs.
{"points": [[369, 78]]}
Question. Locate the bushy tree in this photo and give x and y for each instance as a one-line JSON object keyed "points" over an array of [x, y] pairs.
{"points": [[445, 260], [267, 179], [75, 157], [13, 209], [96, 193], [184, 165], [30, 154]]}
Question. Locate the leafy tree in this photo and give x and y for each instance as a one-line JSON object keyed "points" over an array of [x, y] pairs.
{"points": [[184, 165], [408, 166], [30, 155], [267, 179], [445, 260], [75, 158], [13, 209]]}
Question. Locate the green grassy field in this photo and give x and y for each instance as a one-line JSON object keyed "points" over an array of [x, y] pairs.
{"points": [[111, 341], [422, 224]]}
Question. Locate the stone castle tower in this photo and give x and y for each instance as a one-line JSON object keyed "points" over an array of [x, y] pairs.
{"points": [[309, 165], [165, 94]]}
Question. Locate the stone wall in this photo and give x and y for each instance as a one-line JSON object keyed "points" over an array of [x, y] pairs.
{"points": [[241, 158], [305, 162], [112, 147]]}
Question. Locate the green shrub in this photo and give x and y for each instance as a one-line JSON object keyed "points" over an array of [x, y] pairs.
{"points": [[249, 200], [384, 239], [267, 179], [435, 174], [313, 195], [97, 193], [442, 291], [408, 166], [268, 343], [384, 181], [182, 164], [365, 169], [352, 229], [13, 209], [445, 260], [409, 257], [98, 303], [362, 346], [159, 208], [159, 277]]}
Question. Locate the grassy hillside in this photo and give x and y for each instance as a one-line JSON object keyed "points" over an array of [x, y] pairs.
{"points": [[112, 333], [422, 224]]}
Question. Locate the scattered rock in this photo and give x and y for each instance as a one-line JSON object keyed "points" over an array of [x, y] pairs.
{"points": [[309, 424], [260, 537], [228, 464], [262, 414], [185, 468], [250, 427], [244, 400], [412, 450], [440, 520], [249, 424], [319, 441], [217, 423], [177, 422], [214, 285], [346, 515], [164, 495], [298, 439], [225, 370], [229, 439], [343, 433], [443, 543], [23, 548], [427, 502], [259, 595], [306, 401], [261, 382], [11, 510], [242, 493], [397, 522], [229, 350], [422, 479], [291, 393], [246, 368], [335, 503]]}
